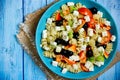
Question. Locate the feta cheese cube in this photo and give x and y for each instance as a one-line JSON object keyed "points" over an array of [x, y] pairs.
{"points": [[64, 70], [53, 43], [89, 65], [87, 18], [46, 48], [49, 20], [99, 63], [68, 28], [101, 49], [70, 3], [74, 58], [81, 30], [87, 39], [90, 32], [100, 13], [97, 26], [107, 23], [113, 38], [58, 49], [44, 34], [83, 47], [75, 66], [54, 63], [57, 28], [81, 39], [99, 39], [76, 13], [104, 33], [65, 35]]}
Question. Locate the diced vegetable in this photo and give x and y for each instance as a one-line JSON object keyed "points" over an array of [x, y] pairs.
{"points": [[70, 34], [99, 58], [68, 60], [70, 22], [58, 58], [106, 54], [72, 8], [91, 59], [58, 17], [82, 56], [85, 11]]}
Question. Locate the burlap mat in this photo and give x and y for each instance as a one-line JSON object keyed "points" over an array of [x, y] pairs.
{"points": [[26, 37]]}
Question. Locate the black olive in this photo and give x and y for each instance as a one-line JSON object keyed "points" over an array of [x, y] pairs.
{"points": [[61, 41], [58, 41], [93, 10], [75, 35], [66, 53], [85, 26], [89, 53], [59, 22], [97, 44]]}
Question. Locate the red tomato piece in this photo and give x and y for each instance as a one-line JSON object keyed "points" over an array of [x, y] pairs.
{"points": [[85, 11], [58, 17]]}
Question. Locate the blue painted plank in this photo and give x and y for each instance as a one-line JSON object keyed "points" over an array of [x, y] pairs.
{"points": [[10, 51], [31, 70], [113, 7]]}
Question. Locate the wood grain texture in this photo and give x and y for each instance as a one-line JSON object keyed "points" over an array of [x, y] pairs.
{"points": [[113, 7], [15, 63], [11, 62], [31, 70]]}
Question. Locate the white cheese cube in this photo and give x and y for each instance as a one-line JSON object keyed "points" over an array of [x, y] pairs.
{"points": [[70, 3], [58, 49], [64, 70], [101, 49], [44, 34], [81, 39], [68, 28], [99, 63], [49, 21], [83, 47], [76, 13], [74, 58], [107, 23], [87, 18], [58, 28], [104, 33], [87, 39], [81, 30], [75, 66], [97, 26], [65, 35], [100, 13], [54, 63], [113, 38], [89, 65], [99, 39], [90, 32], [46, 48], [53, 43]]}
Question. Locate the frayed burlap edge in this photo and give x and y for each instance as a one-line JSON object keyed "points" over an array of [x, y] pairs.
{"points": [[26, 37]]}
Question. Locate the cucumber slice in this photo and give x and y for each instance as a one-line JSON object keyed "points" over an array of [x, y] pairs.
{"points": [[91, 59], [100, 58]]}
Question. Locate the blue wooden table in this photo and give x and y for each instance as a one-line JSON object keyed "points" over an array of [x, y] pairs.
{"points": [[15, 63]]}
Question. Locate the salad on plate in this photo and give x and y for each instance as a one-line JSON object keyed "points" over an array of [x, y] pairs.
{"points": [[77, 38]]}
